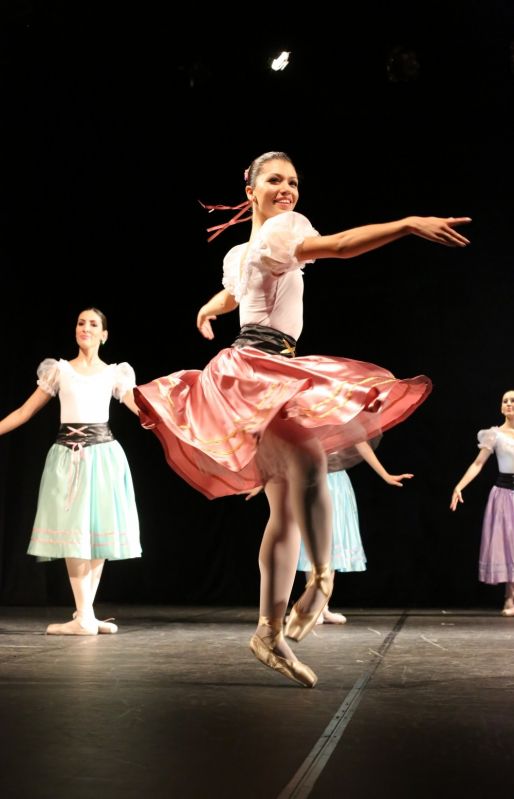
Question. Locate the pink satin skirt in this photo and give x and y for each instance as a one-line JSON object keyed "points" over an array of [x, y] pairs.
{"points": [[211, 423]]}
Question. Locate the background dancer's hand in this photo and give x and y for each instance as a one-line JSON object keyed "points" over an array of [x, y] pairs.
{"points": [[456, 498], [396, 479], [253, 493], [367, 454]]}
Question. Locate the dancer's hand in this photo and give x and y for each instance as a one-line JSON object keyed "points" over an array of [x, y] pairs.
{"points": [[396, 479], [456, 498], [440, 229], [203, 323]]}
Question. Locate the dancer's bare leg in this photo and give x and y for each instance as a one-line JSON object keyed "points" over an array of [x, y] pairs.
{"points": [[297, 455], [82, 585], [84, 622], [278, 557], [95, 576], [312, 509], [97, 565], [277, 561], [508, 606]]}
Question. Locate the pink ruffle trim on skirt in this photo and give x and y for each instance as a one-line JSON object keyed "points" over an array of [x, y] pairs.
{"points": [[210, 422]]}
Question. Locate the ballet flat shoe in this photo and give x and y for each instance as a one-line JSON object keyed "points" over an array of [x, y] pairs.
{"points": [[300, 623], [104, 627], [333, 618], [292, 669], [74, 627], [107, 627], [508, 612]]}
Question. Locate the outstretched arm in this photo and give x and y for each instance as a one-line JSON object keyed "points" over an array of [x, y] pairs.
{"points": [[25, 412], [222, 302], [468, 476], [359, 240], [128, 400], [371, 459]]}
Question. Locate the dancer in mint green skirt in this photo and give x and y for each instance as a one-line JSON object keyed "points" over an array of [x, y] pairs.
{"points": [[86, 510]]}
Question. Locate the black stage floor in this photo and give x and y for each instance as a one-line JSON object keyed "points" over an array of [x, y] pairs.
{"points": [[409, 704]]}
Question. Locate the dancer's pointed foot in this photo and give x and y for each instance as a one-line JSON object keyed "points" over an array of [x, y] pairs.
{"points": [[269, 647], [75, 627], [105, 627], [318, 590]]}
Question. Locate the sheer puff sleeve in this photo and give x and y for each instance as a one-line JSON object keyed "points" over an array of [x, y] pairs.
{"points": [[124, 380], [48, 376], [231, 280], [278, 239], [272, 250], [487, 438]]}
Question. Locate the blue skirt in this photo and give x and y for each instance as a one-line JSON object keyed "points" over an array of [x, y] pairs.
{"points": [[347, 551], [86, 506]]}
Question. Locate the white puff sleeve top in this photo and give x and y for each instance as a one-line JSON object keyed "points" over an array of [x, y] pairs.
{"points": [[85, 398], [266, 278], [502, 444]]}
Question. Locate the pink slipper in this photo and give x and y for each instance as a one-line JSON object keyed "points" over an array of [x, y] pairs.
{"points": [[74, 627], [104, 627], [333, 618]]}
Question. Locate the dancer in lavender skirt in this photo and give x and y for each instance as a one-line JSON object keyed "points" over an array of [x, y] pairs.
{"points": [[496, 561]]}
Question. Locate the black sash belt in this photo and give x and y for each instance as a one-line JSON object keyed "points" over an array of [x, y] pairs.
{"points": [[83, 434], [505, 480], [266, 339]]}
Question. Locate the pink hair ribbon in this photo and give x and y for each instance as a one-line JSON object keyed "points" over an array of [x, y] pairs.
{"points": [[241, 209]]}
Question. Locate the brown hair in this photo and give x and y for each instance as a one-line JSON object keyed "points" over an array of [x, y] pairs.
{"points": [[99, 313], [254, 170]]}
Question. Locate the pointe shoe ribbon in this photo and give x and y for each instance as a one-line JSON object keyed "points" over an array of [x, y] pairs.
{"points": [[263, 649], [300, 623]]}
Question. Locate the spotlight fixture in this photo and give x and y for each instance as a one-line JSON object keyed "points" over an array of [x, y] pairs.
{"points": [[281, 61]]}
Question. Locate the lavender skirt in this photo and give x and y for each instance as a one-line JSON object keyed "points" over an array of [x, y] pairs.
{"points": [[496, 561]]}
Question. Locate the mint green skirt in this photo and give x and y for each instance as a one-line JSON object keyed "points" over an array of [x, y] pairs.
{"points": [[86, 506]]}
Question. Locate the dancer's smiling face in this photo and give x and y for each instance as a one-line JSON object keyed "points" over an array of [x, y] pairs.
{"points": [[275, 190]]}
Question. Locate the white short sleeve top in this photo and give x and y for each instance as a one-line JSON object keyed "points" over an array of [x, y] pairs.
{"points": [[266, 278], [85, 398]]}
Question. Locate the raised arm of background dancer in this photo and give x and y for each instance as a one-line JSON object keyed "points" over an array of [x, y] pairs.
{"points": [[221, 303], [468, 476], [371, 459], [359, 240], [25, 412]]}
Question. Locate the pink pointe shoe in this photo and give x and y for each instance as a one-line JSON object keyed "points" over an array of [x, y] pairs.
{"points": [[104, 627], [74, 627], [508, 612], [263, 647], [301, 623]]}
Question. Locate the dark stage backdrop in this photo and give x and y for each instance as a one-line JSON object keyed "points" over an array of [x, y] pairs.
{"points": [[115, 123]]}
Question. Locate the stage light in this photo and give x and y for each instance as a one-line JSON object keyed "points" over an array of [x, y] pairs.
{"points": [[281, 61]]}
